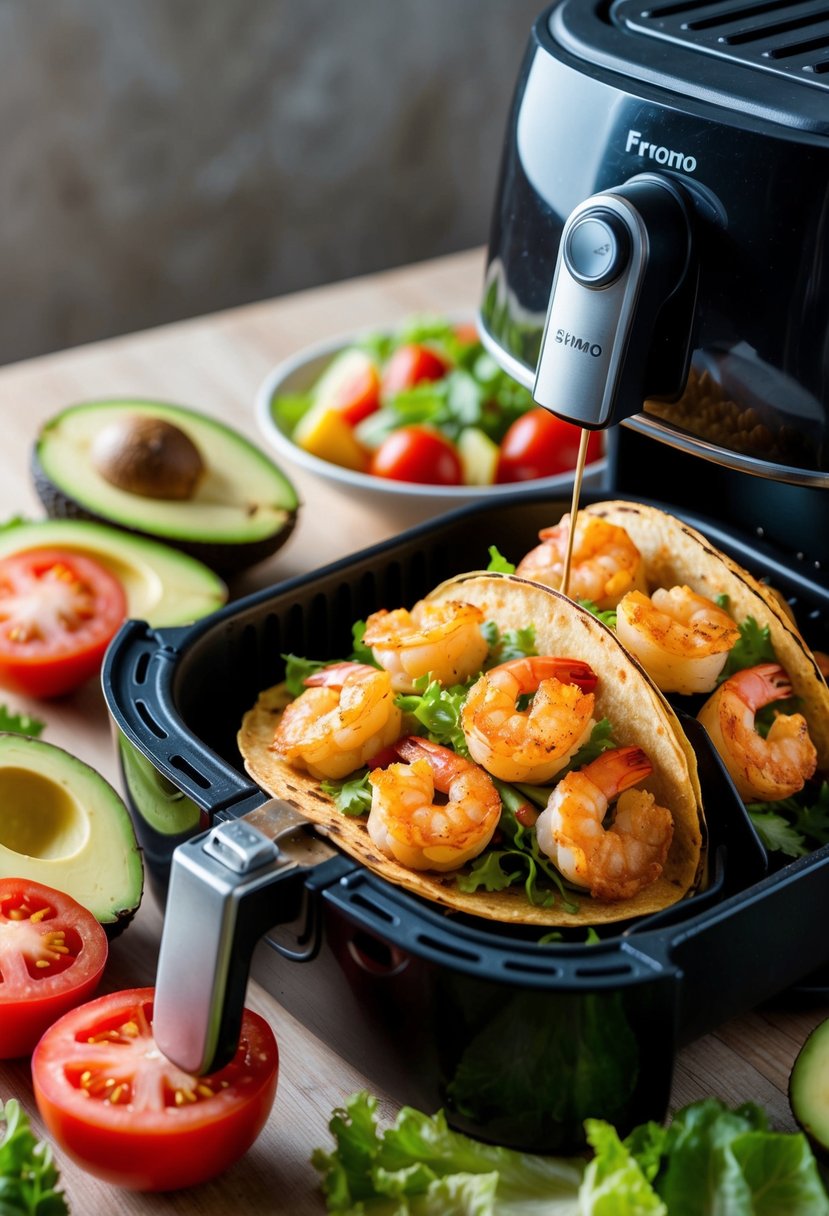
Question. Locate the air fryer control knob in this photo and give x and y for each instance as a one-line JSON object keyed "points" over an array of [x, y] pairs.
{"points": [[597, 247], [620, 319]]}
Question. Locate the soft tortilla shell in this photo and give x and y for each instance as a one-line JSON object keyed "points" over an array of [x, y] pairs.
{"points": [[635, 708], [675, 553]]}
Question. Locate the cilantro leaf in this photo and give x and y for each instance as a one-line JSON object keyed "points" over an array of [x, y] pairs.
{"points": [[776, 832], [793, 826]]}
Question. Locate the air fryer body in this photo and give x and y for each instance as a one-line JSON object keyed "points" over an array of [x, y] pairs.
{"points": [[599, 102]]}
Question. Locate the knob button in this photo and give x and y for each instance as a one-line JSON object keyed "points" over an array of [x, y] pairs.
{"points": [[597, 248]]}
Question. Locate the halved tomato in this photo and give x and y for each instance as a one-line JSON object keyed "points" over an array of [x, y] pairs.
{"points": [[122, 1111], [52, 954], [59, 610]]}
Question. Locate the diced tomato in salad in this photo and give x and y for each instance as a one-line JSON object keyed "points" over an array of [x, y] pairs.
{"points": [[428, 405]]}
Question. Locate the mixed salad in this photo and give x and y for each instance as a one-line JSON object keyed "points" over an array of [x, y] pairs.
{"points": [[427, 404]]}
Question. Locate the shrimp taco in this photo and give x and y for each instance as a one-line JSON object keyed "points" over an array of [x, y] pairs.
{"points": [[701, 624], [539, 779]]}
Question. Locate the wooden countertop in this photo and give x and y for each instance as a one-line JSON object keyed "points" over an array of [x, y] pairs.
{"points": [[215, 364]]}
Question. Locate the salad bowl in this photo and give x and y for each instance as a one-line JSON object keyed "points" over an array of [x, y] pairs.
{"points": [[292, 384]]}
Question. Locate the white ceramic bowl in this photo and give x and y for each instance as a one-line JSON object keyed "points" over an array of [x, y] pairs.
{"points": [[403, 501]]}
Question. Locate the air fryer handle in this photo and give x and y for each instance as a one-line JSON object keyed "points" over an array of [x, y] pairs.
{"points": [[227, 887], [622, 305]]}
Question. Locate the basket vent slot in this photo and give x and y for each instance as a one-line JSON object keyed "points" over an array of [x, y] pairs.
{"points": [[520, 967], [144, 713], [183, 766], [142, 666], [446, 947], [789, 39]]}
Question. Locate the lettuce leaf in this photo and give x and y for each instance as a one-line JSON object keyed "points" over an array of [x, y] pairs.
{"points": [[420, 1167], [28, 1174], [710, 1161]]}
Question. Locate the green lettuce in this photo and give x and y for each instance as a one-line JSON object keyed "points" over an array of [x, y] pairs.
{"points": [[420, 1167], [710, 1161], [28, 1174]]}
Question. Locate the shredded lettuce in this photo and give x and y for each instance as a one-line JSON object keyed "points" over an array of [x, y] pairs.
{"points": [[351, 796], [509, 644], [753, 646], [498, 564], [710, 1161]]}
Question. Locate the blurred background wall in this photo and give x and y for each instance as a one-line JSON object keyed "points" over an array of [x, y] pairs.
{"points": [[165, 158]]}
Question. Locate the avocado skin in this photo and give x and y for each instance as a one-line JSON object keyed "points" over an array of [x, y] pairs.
{"points": [[809, 1090], [225, 558], [111, 832]]}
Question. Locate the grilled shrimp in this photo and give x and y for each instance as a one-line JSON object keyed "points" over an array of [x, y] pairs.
{"points": [[344, 717], [614, 862], [681, 639], [763, 770], [605, 563], [409, 825], [442, 640], [529, 744]]}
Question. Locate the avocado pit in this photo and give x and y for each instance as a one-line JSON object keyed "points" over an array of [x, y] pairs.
{"points": [[148, 456]]}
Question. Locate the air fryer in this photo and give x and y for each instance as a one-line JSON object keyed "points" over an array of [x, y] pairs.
{"points": [[658, 254]]}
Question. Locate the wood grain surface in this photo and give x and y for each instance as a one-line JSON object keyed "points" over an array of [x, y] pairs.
{"points": [[215, 364]]}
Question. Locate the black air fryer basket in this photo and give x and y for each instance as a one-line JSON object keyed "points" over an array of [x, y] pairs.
{"points": [[518, 1040]]}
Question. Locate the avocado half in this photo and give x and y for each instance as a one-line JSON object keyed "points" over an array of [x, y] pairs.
{"points": [[243, 507], [163, 586], [64, 826], [809, 1089]]}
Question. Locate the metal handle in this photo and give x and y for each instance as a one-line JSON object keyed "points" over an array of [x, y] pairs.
{"points": [[227, 887], [622, 304]]}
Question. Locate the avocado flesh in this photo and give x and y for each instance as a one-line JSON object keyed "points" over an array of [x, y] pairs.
{"points": [[241, 511], [163, 586], [63, 825], [809, 1089]]}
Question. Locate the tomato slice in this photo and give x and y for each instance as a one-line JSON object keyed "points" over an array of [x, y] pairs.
{"points": [[124, 1112], [58, 613], [52, 955], [540, 445], [416, 453], [408, 366]]}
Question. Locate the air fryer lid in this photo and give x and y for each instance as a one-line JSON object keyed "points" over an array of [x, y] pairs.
{"points": [[769, 59]]}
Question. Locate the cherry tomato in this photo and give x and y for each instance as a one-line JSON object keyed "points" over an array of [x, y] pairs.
{"points": [[416, 453], [52, 954], [59, 610], [540, 445], [125, 1113], [408, 366]]}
